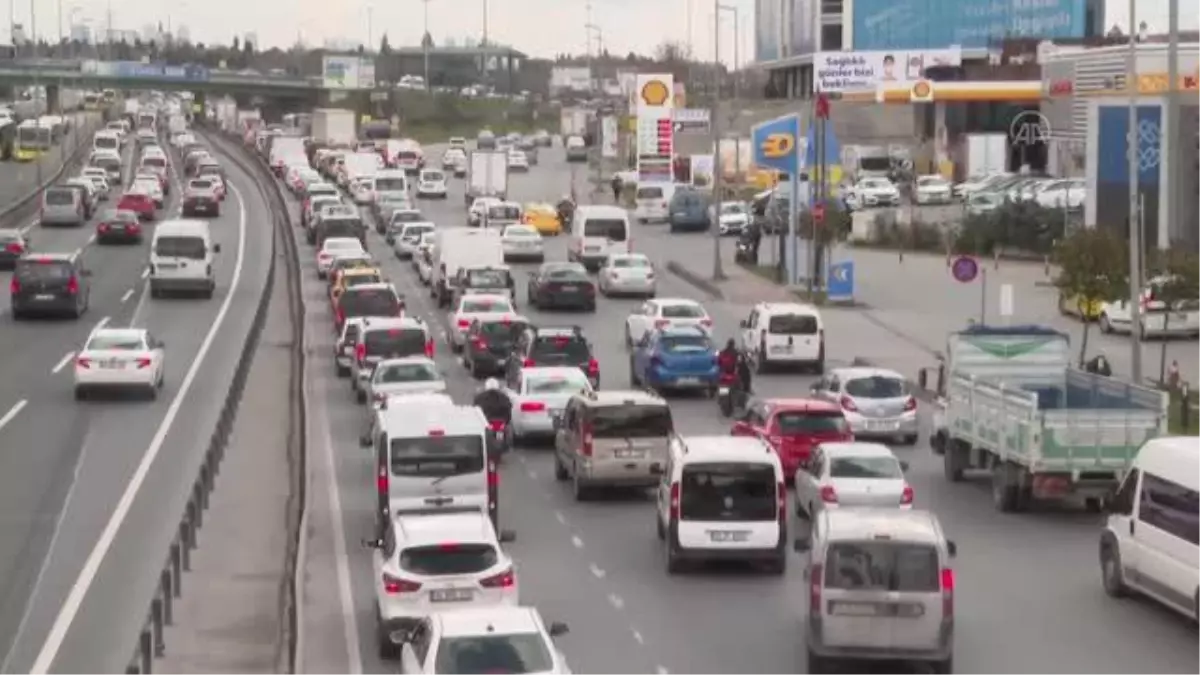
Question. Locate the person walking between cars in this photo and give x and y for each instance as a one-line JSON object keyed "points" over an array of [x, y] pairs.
{"points": [[617, 184], [744, 380]]}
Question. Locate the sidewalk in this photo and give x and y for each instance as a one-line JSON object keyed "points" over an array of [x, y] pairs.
{"points": [[229, 617]]}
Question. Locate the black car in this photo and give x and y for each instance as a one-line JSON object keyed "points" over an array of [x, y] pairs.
{"points": [[119, 225], [378, 299], [13, 245], [339, 226], [561, 285], [50, 283], [489, 344], [551, 346]]}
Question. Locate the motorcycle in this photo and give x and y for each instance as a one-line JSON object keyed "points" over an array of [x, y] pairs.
{"points": [[497, 439], [725, 383]]}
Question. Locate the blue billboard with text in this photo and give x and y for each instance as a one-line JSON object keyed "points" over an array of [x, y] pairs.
{"points": [[1112, 165], [776, 144], [934, 24]]}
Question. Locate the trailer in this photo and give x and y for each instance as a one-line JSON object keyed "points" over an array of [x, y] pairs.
{"points": [[1015, 408]]}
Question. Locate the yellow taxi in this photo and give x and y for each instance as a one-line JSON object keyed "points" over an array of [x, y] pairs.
{"points": [[543, 218], [1087, 309], [353, 276]]}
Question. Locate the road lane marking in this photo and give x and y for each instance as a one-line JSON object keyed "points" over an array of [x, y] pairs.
{"points": [[100, 324], [596, 571], [576, 541], [83, 583], [12, 412], [92, 239], [637, 637], [145, 272], [63, 363], [128, 294], [137, 311], [558, 515], [532, 474], [32, 224], [616, 601], [661, 670]]}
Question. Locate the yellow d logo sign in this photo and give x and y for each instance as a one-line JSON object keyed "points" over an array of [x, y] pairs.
{"points": [[778, 146]]}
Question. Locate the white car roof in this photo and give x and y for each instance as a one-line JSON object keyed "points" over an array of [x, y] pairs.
{"points": [[775, 308], [390, 322], [518, 228], [716, 448], [501, 620], [857, 449], [547, 372], [857, 372], [343, 242], [118, 332], [858, 524], [677, 302], [434, 528]]}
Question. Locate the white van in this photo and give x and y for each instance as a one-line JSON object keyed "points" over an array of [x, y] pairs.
{"points": [[431, 456], [106, 140], [181, 258], [1149, 544], [652, 201], [597, 232], [784, 334], [723, 498]]}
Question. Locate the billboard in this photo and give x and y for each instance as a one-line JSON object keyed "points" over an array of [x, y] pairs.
{"points": [[866, 71], [932, 24], [776, 144], [570, 79], [347, 72], [1113, 159], [655, 127]]}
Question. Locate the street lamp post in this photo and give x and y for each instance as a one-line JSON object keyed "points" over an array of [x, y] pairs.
{"points": [[425, 47], [1135, 216], [715, 125]]}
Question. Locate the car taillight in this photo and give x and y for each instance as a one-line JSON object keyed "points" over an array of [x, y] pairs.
{"points": [[381, 480], [814, 589], [848, 404], [103, 228], [479, 343], [593, 367], [497, 425], [910, 404], [395, 585], [947, 593], [505, 579], [15, 248], [323, 256], [674, 501], [533, 406], [906, 496], [380, 398], [586, 441], [143, 363], [661, 323], [429, 349], [828, 494], [83, 362], [464, 323], [72, 285], [14, 286], [493, 490], [775, 441], [341, 316], [781, 501], [360, 353], [706, 322], [528, 363]]}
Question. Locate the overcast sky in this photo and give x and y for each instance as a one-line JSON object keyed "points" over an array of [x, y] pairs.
{"points": [[538, 27]]}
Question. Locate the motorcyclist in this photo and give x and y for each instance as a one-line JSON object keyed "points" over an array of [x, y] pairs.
{"points": [[493, 402], [744, 378], [727, 359], [1100, 366], [566, 209]]}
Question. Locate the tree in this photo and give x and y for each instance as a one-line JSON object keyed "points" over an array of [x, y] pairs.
{"points": [[1093, 266], [248, 50], [1177, 273], [671, 52], [385, 47], [427, 41], [237, 44]]}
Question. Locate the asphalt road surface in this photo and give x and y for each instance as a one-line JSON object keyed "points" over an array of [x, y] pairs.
{"points": [[1029, 597], [91, 492], [19, 179]]}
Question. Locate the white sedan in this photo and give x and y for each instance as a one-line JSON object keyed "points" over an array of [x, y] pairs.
{"points": [[407, 375], [522, 242], [934, 190], [665, 313], [431, 184], [479, 209], [423, 257], [852, 474], [334, 247], [119, 358], [627, 273], [734, 218], [539, 395], [150, 185], [872, 192], [517, 160], [483, 307], [362, 189]]}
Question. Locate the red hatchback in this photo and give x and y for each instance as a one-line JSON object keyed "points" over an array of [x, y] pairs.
{"points": [[141, 204], [793, 427]]}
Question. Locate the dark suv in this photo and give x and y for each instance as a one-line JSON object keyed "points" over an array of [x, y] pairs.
{"points": [[49, 283], [545, 346], [489, 345]]}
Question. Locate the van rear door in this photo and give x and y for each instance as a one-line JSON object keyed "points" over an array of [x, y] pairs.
{"points": [[605, 236], [436, 471], [729, 506], [180, 257]]}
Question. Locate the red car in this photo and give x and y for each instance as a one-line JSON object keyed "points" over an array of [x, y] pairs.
{"points": [[141, 204], [793, 427]]}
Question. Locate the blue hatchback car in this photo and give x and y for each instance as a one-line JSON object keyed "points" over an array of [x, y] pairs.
{"points": [[675, 358]]}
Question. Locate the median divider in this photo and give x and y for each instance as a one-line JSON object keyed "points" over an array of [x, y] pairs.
{"points": [[78, 138]]}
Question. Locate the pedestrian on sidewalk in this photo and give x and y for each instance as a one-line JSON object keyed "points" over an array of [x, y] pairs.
{"points": [[617, 184]]}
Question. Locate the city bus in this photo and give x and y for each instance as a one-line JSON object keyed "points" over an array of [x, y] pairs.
{"points": [[32, 140], [57, 124]]}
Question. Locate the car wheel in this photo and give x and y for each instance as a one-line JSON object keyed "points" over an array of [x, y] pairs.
{"points": [[816, 664], [560, 471], [578, 490], [661, 531], [343, 371], [1105, 324], [80, 394], [1110, 570], [152, 393], [360, 395]]}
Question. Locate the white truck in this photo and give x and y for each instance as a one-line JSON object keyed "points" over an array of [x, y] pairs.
{"points": [[1015, 407], [334, 127], [225, 113], [458, 249], [573, 122], [487, 175], [986, 154]]}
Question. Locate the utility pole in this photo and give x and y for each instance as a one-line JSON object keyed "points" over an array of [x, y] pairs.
{"points": [[737, 93], [1135, 219], [485, 29], [370, 29], [425, 45], [61, 35], [1174, 165], [715, 126], [587, 31]]}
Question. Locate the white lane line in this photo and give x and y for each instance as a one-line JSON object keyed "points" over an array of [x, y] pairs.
{"points": [[87, 575], [596, 571], [661, 670], [63, 363], [521, 458], [12, 412], [145, 272], [637, 637], [141, 304], [100, 324], [128, 294], [532, 474], [616, 601], [558, 515], [32, 224], [92, 239], [576, 541]]}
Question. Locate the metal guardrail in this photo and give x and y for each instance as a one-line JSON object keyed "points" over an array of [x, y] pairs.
{"points": [[151, 642], [79, 137]]}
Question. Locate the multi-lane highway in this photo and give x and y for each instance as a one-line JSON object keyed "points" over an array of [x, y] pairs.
{"points": [[91, 492], [1029, 596]]}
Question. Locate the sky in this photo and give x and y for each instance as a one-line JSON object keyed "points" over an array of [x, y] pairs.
{"points": [[538, 27]]}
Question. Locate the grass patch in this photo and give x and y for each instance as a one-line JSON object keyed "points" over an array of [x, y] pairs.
{"points": [[1175, 415]]}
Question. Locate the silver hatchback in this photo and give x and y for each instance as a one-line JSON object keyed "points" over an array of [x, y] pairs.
{"points": [[63, 206], [877, 403]]}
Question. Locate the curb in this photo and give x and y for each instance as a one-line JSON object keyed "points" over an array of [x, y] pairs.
{"points": [[706, 285]]}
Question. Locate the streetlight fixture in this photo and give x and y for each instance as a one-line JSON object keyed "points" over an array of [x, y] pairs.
{"points": [[715, 127], [1135, 215], [425, 39]]}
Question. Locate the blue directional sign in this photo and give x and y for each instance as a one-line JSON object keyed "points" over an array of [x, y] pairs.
{"points": [[839, 287], [776, 144]]}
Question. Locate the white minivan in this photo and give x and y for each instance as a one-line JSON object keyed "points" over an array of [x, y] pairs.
{"points": [[652, 201], [598, 231], [784, 334], [107, 141], [181, 258], [1149, 544], [723, 498]]}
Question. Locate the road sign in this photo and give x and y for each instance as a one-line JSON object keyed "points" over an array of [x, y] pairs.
{"points": [[692, 120], [818, 212], [839, 287], [965, 269]]}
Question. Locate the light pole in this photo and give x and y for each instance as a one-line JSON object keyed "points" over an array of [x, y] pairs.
{"points": [[1135, 216], [715, 126], [1174, 166], [591, 28], [485, 29], [425, 47]]}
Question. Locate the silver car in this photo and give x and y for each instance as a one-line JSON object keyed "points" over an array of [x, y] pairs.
{"points": [[854, 473], [63, 206], [877, 402], [407, 375], [628, 274]]}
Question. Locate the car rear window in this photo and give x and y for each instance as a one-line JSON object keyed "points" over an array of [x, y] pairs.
{"points": [[390, 185], [685, 344], [38, 270], [395, 342], [406, 216], [793, 324], [192, 248], [116, 342], [397, 373], [559, 383], [631, 421], [360, 279], [561, 348], [200, 184], [630, 263], [487, 278], [682, 311], [160, 162], [437, 456], [340, 227], [802, 422], [725, 491], [649, 193], [864, 467], [476, 655], [369, 302], [447, 559], [882, 566], [612, 229], [504, 212], [876, 387], [60, 197], [501, 332], [481, 305]]}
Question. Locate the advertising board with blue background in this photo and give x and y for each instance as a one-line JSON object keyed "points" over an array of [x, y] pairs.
{"points": [[775, 144], [932, 24], [1112, 151]]}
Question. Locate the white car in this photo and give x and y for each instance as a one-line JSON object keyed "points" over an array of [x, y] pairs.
{"points": [[1069, 194], [431, 184], [151, 186], [100, 185], [496, 640], [334, 247], [1156, 321], [852, 474], [478, 210], [517, 160], [734, 218], [423, 257], [434, 562], [871, 192], [482, 306], [876, 402], [979, 203], [119, 358], [407, 375], [665, 313], [934, 190], [407, 239], [362, 190], [538, 396], [452, 157], [628, 273], [522, 242]]}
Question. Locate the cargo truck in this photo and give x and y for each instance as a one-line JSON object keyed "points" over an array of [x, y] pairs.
{"points": [[1015, 408], [334, 127], [487, 175]]}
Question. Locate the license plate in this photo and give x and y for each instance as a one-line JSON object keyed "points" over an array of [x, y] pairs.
{"points": [[684, 381], [728, 536], [451, 595], [167, 266], [347, 350], [43, 296], [569, 287], [881, 426], [781, 349], [591, 248], [855, 609], [627, 454], [111, 363]]}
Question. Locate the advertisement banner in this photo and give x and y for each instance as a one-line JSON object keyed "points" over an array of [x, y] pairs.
{"points": [[693, 120], [655, 127], [703, 167], [933, 24], [339, 72], [776, 144], [570, 79], [366, 73], [1113, 165], [608, 137], [837, 72]]}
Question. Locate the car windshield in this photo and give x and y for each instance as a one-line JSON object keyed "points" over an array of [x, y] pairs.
{"points": [[563, 348], [395, 184], [559, 383], [397, 373], [369, 302], [685, 344], [437, 456], [728, 492], [682, 311], [60, 197], [864, 467], [880, 566], [612, 229], [805, 422], [116, 342], [448, 559], [476, 655], [192, 248], [793, 324], [630, 263], [733, 209], [877, 386], [649, 193], [631, 421], [485, 305], [395, 342]]}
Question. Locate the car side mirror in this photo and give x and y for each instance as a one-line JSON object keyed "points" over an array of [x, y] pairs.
{"points": [[372, 543], [903, 465], [85, 273], [801, 545], [364, 441], [558, 628], [952, 548], [507, 536], [216, 248], [744, 323], [400, 637]]}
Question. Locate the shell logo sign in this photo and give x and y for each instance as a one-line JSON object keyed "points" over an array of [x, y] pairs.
{"points": [[655, 93], [922, 91]]}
